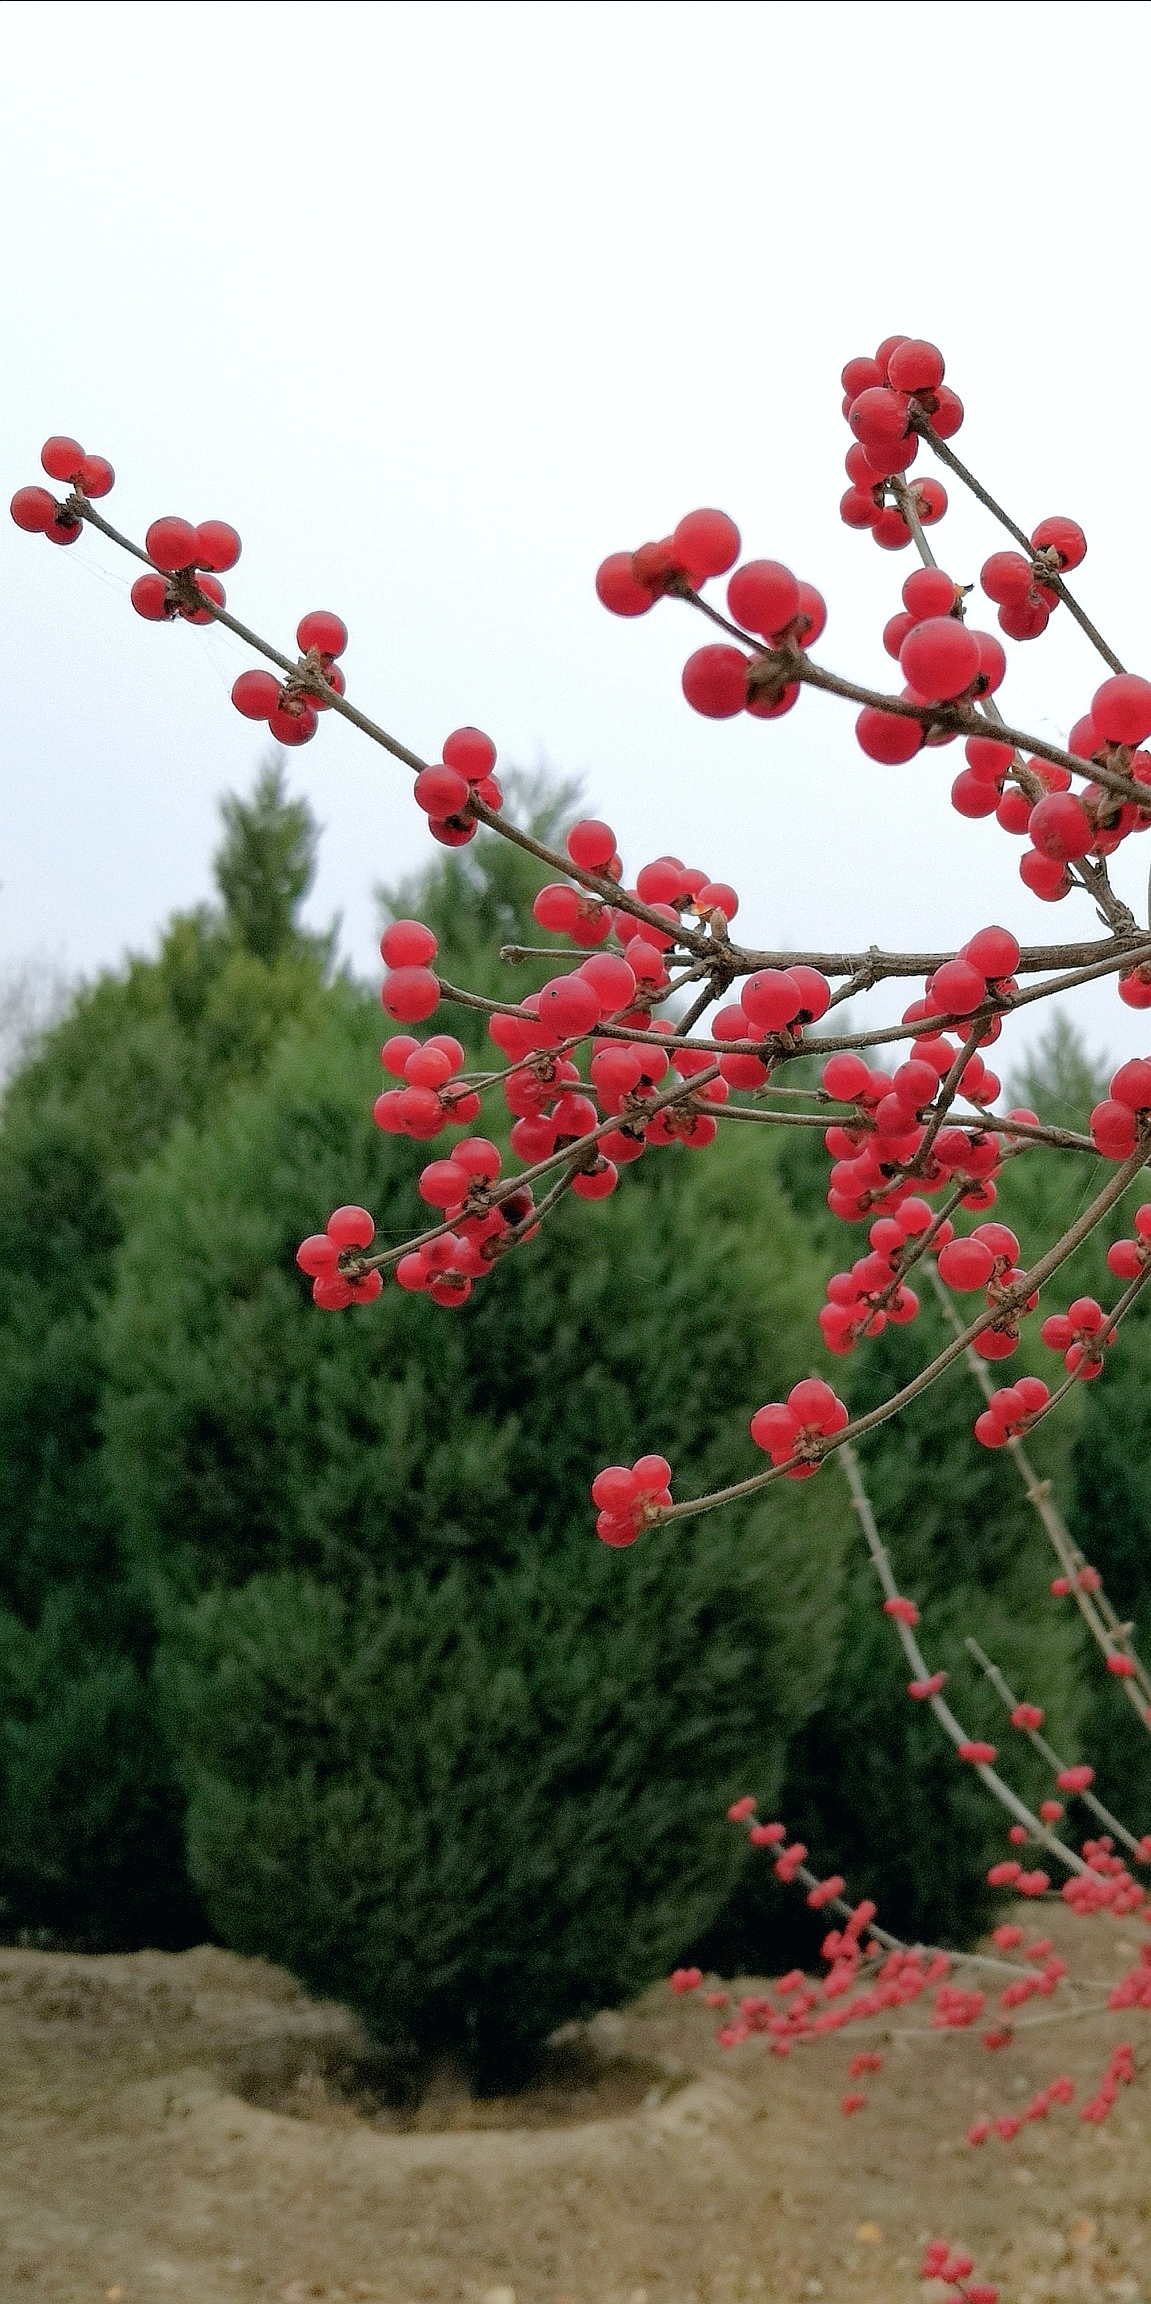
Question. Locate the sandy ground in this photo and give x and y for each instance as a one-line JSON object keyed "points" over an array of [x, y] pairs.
{"points": [[190, 2129]]}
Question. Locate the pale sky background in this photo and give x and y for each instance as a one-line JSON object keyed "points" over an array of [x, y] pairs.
{"points": [[438, 304]]}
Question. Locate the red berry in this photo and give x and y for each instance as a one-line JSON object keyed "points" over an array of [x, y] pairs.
{"points": [[878, 416], [891, 530], [971, 798], [217, 545], [814, 992], [409, 994], [351, 1227], [1060, 827], [887, 736], [569, 1005], [317, 1255], [63, 531], [763, 596], [407, 944], [940, 657], [321, 630], [775, 1429], [846, 1077], [812, 615], [471, 753], [96, 477], [948, 414], [860, 374], [915, 366], [715, 682], [149, 598], [443, 1184], [994, 951], [557, 907], [928, 592], [895, 632], [1006, 577], [441, 791], [1121, 709], [61, 457], [707, 543], [1024, 619], [293, 727], [1113, 1129], [34, 510], [987, 758], [958, 987], [857, 509], [255, 694], [930, 500], [771, 999], [816, 1406], [1066, 536], [591, 844], [1131, 1084], [334, 1294], [966, 1264], [171, 543], [618, 588]]}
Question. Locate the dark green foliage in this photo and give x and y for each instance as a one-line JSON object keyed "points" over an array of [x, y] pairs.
{"points": [[445, 1754], [89, 1815], [267, 865]]}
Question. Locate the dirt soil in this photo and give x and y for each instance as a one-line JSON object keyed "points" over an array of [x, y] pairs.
{"points": [[191, 2129]]}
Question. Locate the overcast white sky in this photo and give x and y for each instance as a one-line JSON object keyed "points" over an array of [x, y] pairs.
{"points": [[438, 304]]}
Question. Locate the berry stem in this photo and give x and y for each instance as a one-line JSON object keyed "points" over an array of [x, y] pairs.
{"points": [[881, 1562], [1047, 1751], [1100, 1617], [1052, 579]]}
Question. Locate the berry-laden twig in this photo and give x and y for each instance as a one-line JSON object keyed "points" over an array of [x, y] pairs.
{"points": [[1073, 1778], [899, 1139], [1077, 1578], [927, 1687]]}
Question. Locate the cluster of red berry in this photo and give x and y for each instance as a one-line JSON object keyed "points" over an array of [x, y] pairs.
{"points": [[627, 1496], [1017, 585], [1117, 1122], [800, 1426], [764, 598], [445, 791], [1011, 1411], [1120, 2073], [1134, 1989], [881, 399], [291, 706], [1007, 2125], [954, 2268], [40, 513], [320, 1256], [187, 562]]}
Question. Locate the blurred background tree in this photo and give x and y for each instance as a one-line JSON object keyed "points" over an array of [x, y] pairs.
{"points": [[91, 1843]]}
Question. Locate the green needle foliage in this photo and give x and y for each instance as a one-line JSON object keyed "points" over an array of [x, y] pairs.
{"points": [[90, 1814]]}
